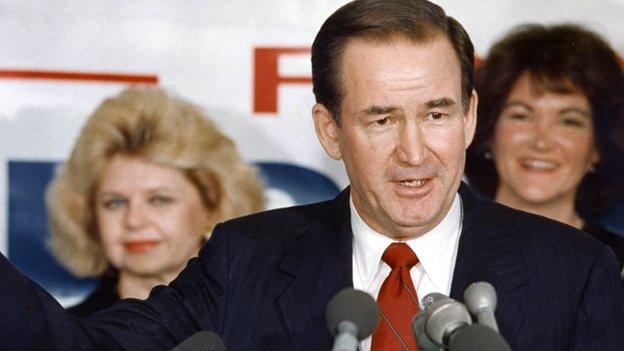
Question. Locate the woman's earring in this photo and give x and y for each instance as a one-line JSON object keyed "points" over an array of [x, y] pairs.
{"points": [[487, 155]]}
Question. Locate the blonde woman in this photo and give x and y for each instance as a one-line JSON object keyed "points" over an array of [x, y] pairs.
{"points": [[149, 177]]}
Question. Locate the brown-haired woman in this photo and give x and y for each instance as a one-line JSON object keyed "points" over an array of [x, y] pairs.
{"points": [[550, 136]]}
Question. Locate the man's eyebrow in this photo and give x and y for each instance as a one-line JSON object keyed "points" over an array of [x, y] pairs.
{"points": [[441, 102], [378, 110], [383, 110]]}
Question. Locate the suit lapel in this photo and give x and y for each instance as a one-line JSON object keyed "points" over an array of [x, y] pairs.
{"points": [[488, 253], [319, 264]]}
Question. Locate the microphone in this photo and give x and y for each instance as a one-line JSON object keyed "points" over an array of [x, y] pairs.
{"points": [[445, 324], [477, 337], [431, 298], [201, 341], [423, 341], [352, 315], [418, 323], [443, 317], [480, 298]]}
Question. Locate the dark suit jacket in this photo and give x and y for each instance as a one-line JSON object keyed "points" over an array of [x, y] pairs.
{"points": [[263, 283]]}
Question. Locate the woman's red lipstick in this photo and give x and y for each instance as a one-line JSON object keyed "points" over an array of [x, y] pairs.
{"points": [[139, 246]]}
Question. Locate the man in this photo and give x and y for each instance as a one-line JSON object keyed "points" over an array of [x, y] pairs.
{"points": [[393, 82]]}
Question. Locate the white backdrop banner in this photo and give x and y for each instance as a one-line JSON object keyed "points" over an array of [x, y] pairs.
{"points": [[246, 62]]}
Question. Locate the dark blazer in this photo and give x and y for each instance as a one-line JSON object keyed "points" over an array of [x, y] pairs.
{"points": [[263, 283], [607, 237], [104, 296]]}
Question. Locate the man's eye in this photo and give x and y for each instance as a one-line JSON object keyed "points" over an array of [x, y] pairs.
{"points": [[436, 115], [383, 121]]}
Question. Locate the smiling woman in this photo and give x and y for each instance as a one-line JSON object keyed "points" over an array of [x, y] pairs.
{"points": [[550, 136], [148, 179]]}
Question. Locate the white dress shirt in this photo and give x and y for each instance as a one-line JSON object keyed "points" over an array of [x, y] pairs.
{"points": [[436, 252]]}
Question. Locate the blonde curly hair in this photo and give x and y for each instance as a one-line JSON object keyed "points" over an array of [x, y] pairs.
{"points": [[150, 124]]}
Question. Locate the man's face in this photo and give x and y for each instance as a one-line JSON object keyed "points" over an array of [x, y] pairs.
{"points": [[403, 132]]}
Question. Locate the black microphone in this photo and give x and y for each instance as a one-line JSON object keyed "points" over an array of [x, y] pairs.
{"points": [[480, 298], [477, 337], [201, 341], [352, 315]]}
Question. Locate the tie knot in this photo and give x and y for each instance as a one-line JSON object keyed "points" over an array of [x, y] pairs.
{"points": [[399, 255]]}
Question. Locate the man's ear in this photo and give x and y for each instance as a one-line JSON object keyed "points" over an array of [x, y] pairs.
{"points": [[471, 119], [327, 131]]}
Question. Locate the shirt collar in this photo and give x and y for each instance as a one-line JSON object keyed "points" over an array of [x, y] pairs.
{"points": [[436, 249]]}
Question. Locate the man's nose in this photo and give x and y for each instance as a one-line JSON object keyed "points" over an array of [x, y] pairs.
{"points": [[411, 148]]}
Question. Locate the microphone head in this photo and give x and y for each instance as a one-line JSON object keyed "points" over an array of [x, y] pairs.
{"points": [[443, 317], [355, 306], [431, 298], [477, 337], [201, 341], [480, 296], [418, 327]]}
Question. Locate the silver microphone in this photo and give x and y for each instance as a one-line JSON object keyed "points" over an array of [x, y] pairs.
{"points": [[443, 317], [480, 298], [439, 318]]}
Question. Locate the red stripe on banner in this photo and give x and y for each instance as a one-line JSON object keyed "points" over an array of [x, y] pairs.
{"points": [[85, 76]]}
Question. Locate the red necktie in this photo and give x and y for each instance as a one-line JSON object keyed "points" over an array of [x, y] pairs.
{"points": [[397, 301]]}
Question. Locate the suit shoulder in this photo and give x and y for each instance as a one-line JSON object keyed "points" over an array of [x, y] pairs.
{"points": [[275, 223], [540, 231]]}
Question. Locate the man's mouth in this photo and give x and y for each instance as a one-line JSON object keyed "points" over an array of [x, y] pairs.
{"points": [[415, 183]]}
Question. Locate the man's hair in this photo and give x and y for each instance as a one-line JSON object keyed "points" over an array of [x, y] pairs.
{"points": [[159, 128], [417, 20], [560, 59]]}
